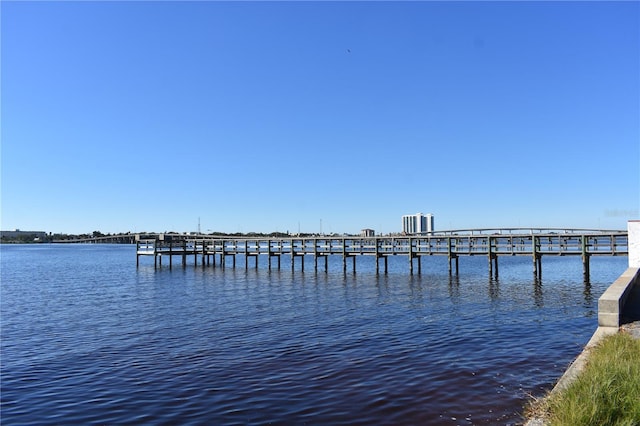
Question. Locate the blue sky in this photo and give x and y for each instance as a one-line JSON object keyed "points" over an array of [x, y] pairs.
{"points": [[276, 116]]}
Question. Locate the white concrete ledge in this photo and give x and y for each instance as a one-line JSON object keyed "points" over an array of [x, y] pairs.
{"points": [[611, 303]]}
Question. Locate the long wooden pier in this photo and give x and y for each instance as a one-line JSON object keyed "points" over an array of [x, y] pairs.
{"points": [[493, 244]]}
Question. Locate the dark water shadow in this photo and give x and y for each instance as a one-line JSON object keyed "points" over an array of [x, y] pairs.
{"points": [[494, 289], [454, 288], [538, 295]]}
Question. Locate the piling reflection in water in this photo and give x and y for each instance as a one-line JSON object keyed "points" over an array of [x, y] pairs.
{"points": [[88, 338]]}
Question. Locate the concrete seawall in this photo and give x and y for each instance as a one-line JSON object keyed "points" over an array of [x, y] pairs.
{"points": [[618, 305], [618, 308], [612, 305]]}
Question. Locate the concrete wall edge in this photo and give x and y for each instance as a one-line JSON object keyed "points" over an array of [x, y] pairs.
{"points": [[611, 303]]}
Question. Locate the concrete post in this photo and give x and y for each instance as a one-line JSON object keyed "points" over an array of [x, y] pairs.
{"points": [[633, 228]]}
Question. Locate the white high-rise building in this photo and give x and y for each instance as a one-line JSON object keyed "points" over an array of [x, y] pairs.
{"points": [[411, 223], [430, 223], [417, 223]]}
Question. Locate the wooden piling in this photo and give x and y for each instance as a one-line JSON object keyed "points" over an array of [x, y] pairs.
{"points": [[585, 266], [454, 260], [410, 256], [490, 256], [195, 253], [536, 256], [344, 255], [495, 260], [585, 258]]}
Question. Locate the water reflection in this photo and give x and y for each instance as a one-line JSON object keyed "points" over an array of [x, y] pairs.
{"points": [[494, 289], [415, 291], [538, 299], [383, 288], [588, 296], [454, 288]]}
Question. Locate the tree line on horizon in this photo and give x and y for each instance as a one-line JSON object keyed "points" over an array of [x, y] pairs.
{"points": [[37, 237]]}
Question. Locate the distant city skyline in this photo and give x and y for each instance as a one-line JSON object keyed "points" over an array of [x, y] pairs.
{"points": [[327, 117]]}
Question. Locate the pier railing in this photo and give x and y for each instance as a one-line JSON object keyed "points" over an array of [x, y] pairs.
{"points": [[535, 245]]}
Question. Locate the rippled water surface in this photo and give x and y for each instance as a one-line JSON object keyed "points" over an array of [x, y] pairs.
{"points": [[88, 338]]}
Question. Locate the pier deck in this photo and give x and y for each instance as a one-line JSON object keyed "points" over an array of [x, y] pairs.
{"points": [[534, 245]]}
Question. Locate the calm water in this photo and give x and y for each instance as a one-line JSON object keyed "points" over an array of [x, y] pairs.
{"points": [[88, 338]]}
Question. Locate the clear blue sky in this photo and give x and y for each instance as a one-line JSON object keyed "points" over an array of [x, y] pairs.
{"points": [[145, 116]]}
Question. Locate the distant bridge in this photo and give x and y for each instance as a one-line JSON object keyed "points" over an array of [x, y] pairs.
{"points": [[502, 231], [105, 239], [130, 238], [489, 242]]}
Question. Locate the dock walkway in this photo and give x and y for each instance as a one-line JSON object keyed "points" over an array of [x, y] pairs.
{"points": [[218, 250]]}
